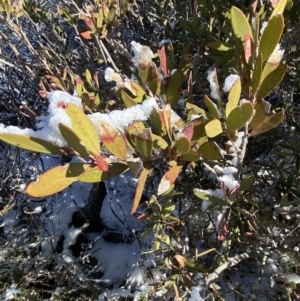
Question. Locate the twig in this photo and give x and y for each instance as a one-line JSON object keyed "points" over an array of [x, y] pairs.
{"points": [[232, 261], [108, 55]]}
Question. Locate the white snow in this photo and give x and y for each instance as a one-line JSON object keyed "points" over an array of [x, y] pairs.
{"points": [[276, 55], [142, 54], [229, 81], [195, 294], [48, 125], [10, 293], [213, 85]]}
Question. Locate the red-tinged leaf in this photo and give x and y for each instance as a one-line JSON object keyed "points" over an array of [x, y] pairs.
{"points": [[53, 79], [140, 216], [188, 130], [101, 161], [79, 86], [90, 24], [113, 140], [247, 48], [87, 34], [163, 60], [140, 188], [165, 118], [181, 260], [96, 79], [168, 179]]}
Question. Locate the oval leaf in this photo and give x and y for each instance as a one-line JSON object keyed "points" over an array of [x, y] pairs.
{"points": [[52, 181], [240, 23], [213, 128], [271, 36], [239, 116], [113, 140], [233, 96], [173, 92], [268, 123], [144, 143], [279, 8], [262, 109], [210, 151], [31, 143], [271, 81], [168, 179], [212, 108], [84, 129], [183, 145], [256, 77], [73, 140], [92, 174]]}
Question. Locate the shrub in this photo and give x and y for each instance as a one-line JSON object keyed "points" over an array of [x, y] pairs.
{"points": [[161, 129]]}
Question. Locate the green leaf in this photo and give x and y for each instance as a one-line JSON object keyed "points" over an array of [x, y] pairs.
{"points": [[92, 174], [183, 145], [199, 128], [233, 97], [144, 143], [219, 46], [113, 140], [156, 122], [240, 23], [144, 74], [190, 107], [247, 183], [128, 101], [268, 123], [111, 14], [88, 76], [271, 36], [239, 116], [271, 81], [139, 92], [73, 140], [212, 108], [52, 181], [213, 128], [268, 68], [154, 80], [84, 129], [159, 142], [262, 109], [210, 151], [256, 77], [173, 90], [31, 143], [279, 8], [191, 156]]}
